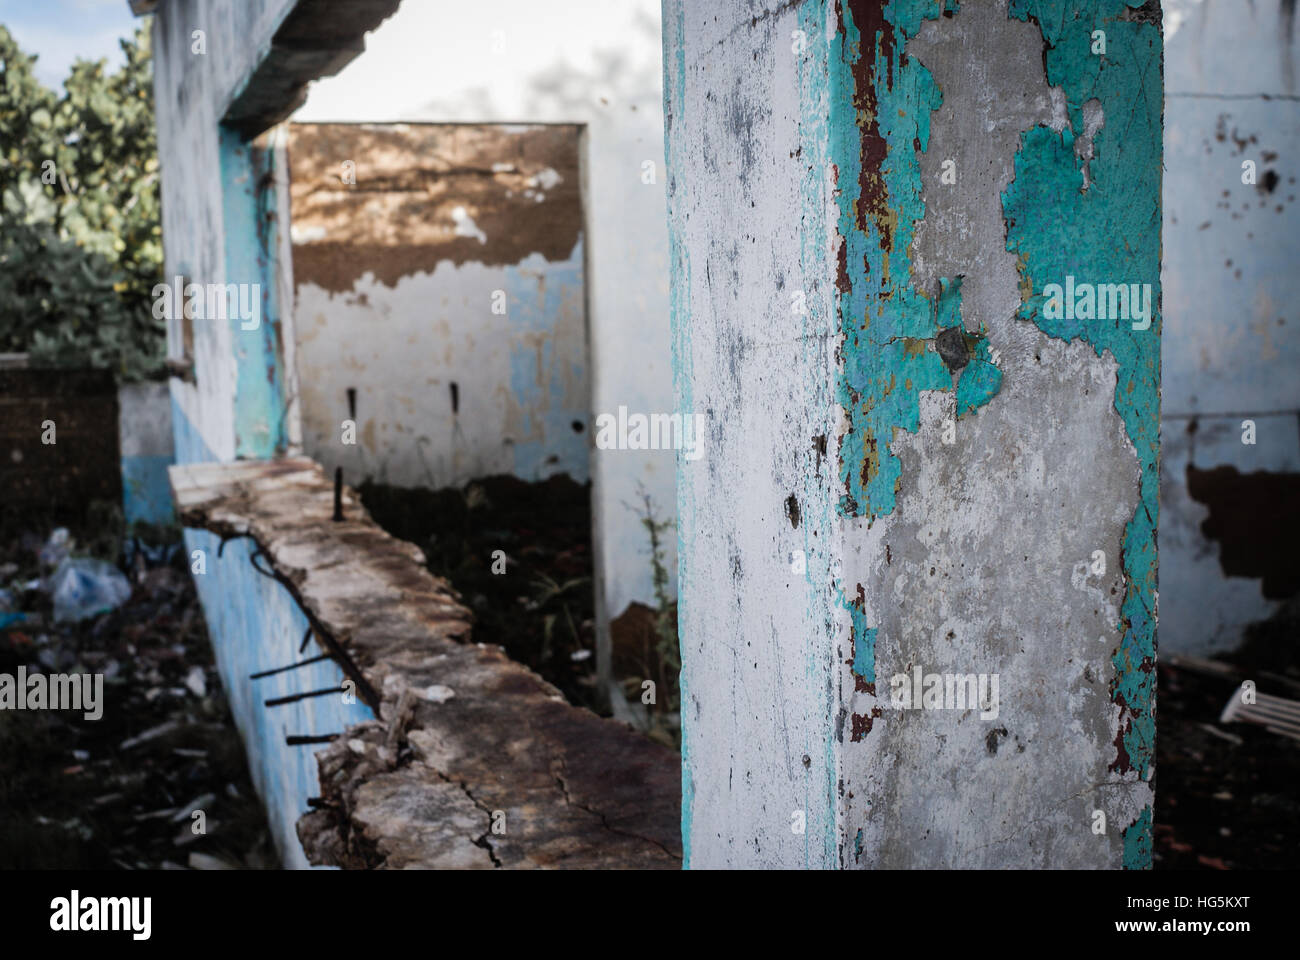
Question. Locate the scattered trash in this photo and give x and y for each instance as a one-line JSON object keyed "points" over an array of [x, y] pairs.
{"points": [[151, 734], [104, 794], [438, 693], [1244, 777], [159, 556], [1221, 734], [204, 802], [1280, 715], [156, 814], [187, 835], [196, 683], [56, 548], [83, 587]]}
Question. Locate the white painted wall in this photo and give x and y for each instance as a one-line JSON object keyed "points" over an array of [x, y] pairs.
{"points": [[1232, 334], [191, 93], [586, 61], [521, 377]]}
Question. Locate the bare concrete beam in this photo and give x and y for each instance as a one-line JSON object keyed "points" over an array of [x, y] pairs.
{"points": [[318, 39], [475, 761]]}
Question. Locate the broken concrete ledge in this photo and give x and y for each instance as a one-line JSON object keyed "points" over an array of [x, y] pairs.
{"points": [[474, 760]]}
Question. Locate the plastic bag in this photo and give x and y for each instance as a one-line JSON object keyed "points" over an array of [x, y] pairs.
{"points": [[56, 548], [84, 586]]}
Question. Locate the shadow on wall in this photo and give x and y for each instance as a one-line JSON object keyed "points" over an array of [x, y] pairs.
{"points": [[1255, 520], [563, 92]]}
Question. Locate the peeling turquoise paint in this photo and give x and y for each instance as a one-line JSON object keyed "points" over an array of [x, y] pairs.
{"points": [[980, 380], [948, 306], [817, 496], [879, 126], [1108, 233], [870, 106], [880, 107], [248, 203], [679, 271], [1137, 842], [864, 648]]}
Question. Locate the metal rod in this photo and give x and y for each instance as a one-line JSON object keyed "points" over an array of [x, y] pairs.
{"points": [[338, 494], [252, 558], [296, 741], [294, 697], [323, 636], [221, 547], [292, 666]]}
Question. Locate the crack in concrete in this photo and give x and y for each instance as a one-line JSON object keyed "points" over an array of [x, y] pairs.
{"points": [[568, 798], [1064, 800], [482, 840]]}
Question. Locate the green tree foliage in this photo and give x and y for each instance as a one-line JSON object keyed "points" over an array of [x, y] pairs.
{"points": [[80, 234]]}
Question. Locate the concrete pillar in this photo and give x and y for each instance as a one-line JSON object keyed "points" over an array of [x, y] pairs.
{"points": [[924, 468], [256, 255]]}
